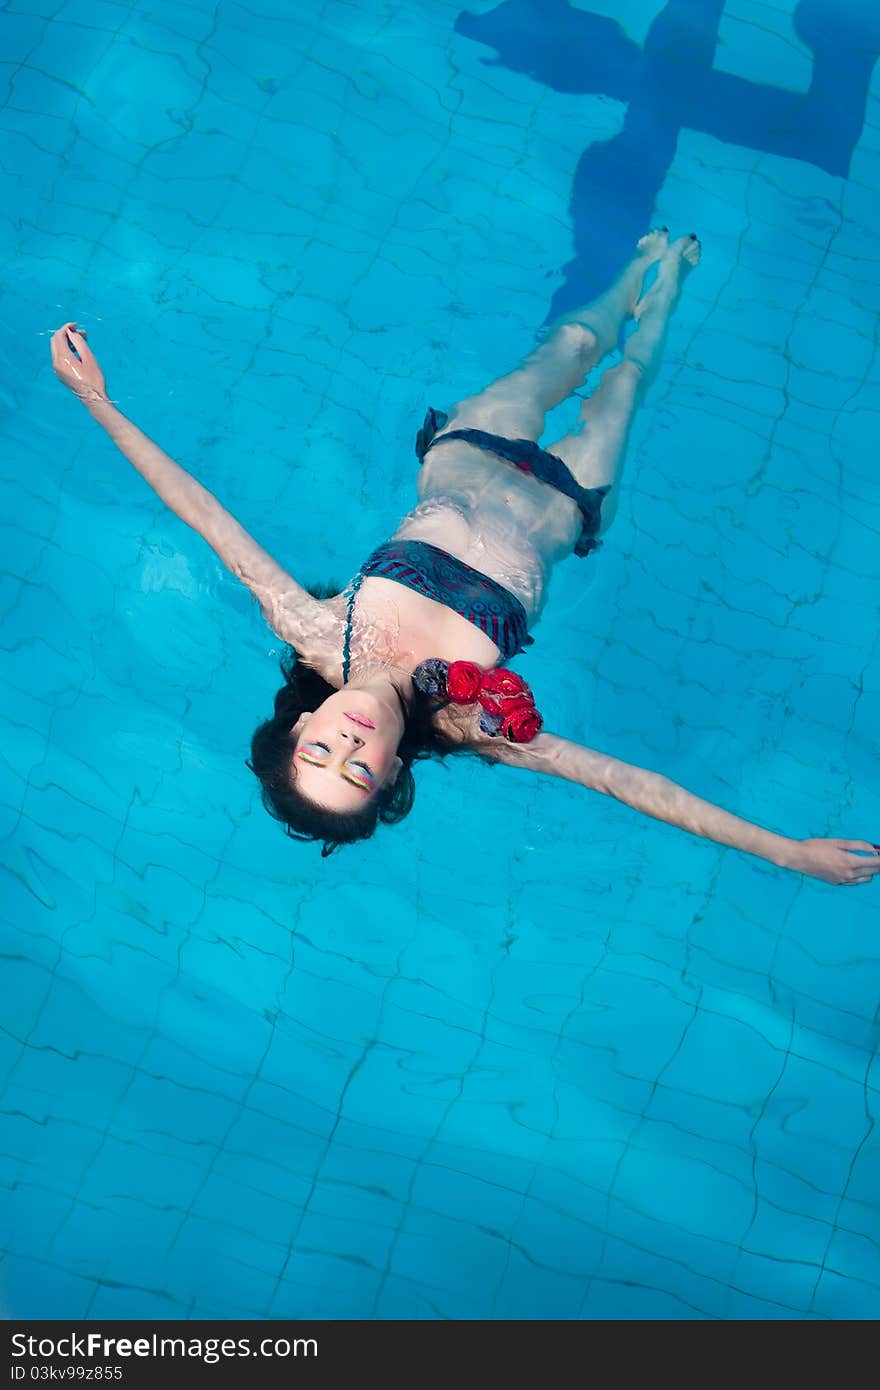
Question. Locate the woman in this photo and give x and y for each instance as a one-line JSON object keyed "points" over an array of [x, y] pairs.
{"points": [[405, 662]]}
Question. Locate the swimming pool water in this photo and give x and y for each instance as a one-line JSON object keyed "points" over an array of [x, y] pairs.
{"points": [[528, 1055]]}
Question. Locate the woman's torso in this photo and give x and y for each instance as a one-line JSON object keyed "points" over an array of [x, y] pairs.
{"points": [[495, 518], [487, 514]]}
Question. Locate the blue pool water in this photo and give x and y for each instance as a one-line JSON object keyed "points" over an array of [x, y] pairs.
{"points": [[528, 1055]]}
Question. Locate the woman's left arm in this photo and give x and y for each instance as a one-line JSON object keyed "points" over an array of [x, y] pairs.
{"points": [[833, 861]]}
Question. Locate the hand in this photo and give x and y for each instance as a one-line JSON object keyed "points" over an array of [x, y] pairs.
{"points": [[834, 861], [81, 374]]}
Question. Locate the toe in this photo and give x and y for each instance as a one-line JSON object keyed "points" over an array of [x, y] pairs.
{"points": [[687, 248], [654, 242], [692, 250]]}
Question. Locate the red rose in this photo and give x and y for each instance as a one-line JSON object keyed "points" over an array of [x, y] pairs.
{"points": [[463, 682], [521, 725], [505, 684]]}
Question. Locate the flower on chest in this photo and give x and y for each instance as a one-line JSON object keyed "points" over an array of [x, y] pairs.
{"points": [[506, 702]]}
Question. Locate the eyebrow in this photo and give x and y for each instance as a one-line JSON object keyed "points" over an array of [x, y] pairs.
{"points": [[314, 762]]}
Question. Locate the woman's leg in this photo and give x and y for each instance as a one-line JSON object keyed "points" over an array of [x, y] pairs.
{"points": [[515, 404], [595, 453]]}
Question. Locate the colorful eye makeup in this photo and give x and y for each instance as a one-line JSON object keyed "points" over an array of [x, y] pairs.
{"points": [[316, 753], [358, 774]]}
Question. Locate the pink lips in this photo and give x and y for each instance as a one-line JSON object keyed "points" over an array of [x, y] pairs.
{"points": [[360, 719]]}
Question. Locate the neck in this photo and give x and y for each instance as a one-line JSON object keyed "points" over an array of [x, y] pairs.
{"points": [[392, 683]]}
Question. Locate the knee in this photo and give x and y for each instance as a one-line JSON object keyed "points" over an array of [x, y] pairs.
{"points": [[630, 369], [625, 381], [577, 339], [633, 366]]}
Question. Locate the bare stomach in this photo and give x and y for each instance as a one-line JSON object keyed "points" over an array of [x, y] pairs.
{"points": [[495, 518]]}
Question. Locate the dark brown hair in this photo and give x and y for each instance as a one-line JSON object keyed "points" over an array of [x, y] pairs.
{"points": [[272, 761]]}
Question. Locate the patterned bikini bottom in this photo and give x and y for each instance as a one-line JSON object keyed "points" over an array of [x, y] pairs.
{"points": [[529, 457]]}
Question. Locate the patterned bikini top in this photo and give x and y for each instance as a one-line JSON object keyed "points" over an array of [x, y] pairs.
{"points": [[431, 571]]}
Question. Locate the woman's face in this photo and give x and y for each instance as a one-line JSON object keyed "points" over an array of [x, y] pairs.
{"points": [[346, 749]]}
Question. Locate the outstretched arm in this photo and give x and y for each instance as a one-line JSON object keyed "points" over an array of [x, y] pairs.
{"points": [[288, 608], [833, 861]]}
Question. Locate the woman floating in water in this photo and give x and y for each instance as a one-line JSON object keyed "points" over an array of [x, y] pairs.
{"points": [[405, 663]]}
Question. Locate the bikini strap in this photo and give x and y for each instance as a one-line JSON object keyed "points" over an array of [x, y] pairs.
{"points": [[351, 594], [434, 421]]}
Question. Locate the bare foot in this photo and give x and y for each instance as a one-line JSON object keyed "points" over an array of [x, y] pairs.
{"points": [[652, 247], [688, 248], [654, 244], [680, 256]]}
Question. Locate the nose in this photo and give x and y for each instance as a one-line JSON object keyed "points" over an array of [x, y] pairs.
{"points": [[352, 737]]}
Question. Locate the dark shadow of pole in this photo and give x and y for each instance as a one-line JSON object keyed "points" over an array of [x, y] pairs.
{"points": [[670, 85]]}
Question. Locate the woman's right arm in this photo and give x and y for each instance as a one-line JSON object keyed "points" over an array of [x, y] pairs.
{"points": [[295, 616]]}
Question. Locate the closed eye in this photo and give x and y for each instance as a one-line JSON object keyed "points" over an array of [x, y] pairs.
{"points": [[309, 751], [358, 773]]}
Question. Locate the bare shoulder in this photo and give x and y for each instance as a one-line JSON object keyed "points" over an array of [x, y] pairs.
{"points": [[456, 725], [313, 626], [460, 725]]}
